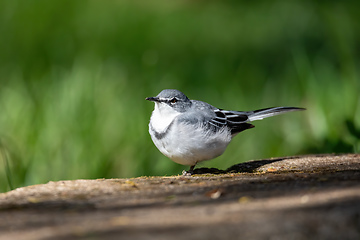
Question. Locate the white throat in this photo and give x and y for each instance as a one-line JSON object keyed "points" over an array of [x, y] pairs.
{"points": [[162, 117]]}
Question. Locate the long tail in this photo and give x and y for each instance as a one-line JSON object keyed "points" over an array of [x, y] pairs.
{"points": [[269, 112]]}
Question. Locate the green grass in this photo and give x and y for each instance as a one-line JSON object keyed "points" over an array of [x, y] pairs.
{"points": [[74, 76]]}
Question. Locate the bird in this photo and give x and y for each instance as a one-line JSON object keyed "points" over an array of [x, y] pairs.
{"points": [[191, 131]]}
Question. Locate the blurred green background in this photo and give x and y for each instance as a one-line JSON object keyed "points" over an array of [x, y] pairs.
{"points": [[74, 76]]}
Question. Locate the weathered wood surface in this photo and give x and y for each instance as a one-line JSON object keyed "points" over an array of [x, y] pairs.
{"points": [[305, 197]]}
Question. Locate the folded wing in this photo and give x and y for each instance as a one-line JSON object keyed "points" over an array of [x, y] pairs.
{"points": [[239, 121]]}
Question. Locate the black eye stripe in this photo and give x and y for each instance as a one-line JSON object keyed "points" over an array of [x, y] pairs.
{"points": [[173, 100]]}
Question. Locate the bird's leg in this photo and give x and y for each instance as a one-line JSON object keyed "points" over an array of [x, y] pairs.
{"points": [[190, 172]]}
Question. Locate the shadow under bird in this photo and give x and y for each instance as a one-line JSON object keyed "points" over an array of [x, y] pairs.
{"points": [[191, 131]]}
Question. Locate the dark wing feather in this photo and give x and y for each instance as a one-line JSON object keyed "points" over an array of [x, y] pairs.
{"points": [[237, 122]]}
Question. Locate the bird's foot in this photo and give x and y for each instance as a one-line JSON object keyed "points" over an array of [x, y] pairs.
{"points": [[188, 173]]}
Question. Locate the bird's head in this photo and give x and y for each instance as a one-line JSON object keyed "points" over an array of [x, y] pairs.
{"points": [[170, 101]]}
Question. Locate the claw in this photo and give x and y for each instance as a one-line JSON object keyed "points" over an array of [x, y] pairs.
{"points": [[190, 172]]}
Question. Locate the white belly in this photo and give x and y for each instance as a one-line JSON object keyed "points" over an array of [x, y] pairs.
{"points": [[187, 145]]}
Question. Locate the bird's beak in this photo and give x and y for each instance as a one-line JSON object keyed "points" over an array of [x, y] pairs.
{"points": [[153, 99]]}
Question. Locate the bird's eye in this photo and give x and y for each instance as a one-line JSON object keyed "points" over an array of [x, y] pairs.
{"points": [[173, 100]]}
